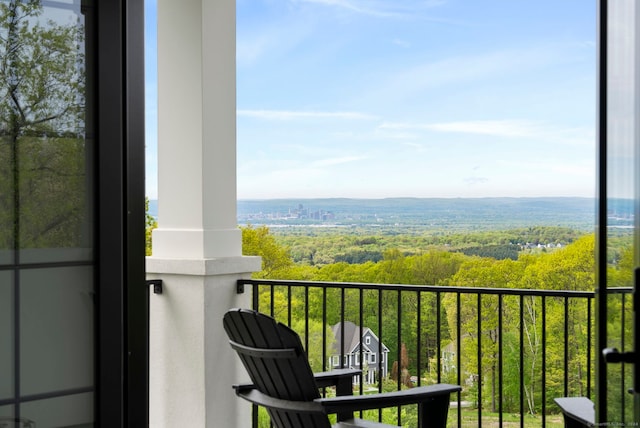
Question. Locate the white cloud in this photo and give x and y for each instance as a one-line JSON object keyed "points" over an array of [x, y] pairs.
{"points": [[502, 128], [475, 180], [402, 43], [294, 115], [249, 51], [336, 161], [510, 128], [475, 68], [380, 8]]}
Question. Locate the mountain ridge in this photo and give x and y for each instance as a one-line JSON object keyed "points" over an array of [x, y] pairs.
{"points": [[433, 213]]}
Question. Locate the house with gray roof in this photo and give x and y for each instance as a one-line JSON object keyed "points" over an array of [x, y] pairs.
{"points": [[360, 349]]}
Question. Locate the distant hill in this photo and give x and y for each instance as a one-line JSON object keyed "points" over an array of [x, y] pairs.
{"points": [[432, 213], [428, 213]]}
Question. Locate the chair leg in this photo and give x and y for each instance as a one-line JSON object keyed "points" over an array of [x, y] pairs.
{"points": [[433, 413]]}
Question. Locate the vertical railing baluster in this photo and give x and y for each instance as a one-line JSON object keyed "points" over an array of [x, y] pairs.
{"points": [[324, 331], [521, 361], [419, 336], [343, 351], [399, 351], [589, 347], [289, 307], [439, 339], [566, 346], [272, 300], [256, 306], [361, 321], [623, 347], [500, 360], [458, 352], [306, 319], [479, 311], [380, 341], [256, 297], [544, 361]]}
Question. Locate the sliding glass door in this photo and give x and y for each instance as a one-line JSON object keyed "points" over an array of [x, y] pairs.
{"points": [[619, 194], [72, 296]]}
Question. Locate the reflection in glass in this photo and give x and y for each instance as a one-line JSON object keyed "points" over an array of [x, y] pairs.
{"points": [[6, 413], [7, 215], [621, 191], [6, 335], [46, 213], [56, 320], [71, 411], [44, 152]]}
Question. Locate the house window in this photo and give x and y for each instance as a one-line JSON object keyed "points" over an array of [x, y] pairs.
{"points": [[367, 340], [335, 360], [372, 358]]}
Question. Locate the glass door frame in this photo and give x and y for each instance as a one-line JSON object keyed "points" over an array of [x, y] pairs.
{"points": [[604, 153], [122, 320]]}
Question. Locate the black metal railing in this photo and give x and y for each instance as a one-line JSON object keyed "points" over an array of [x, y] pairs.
{"points": [[512, 350]]}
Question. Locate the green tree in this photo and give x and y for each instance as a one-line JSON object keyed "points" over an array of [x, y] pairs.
{"points": [[150, 224], [276, 260]]}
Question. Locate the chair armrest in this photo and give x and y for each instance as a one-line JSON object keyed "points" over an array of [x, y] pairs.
{"points": [[433, 402], [342, 379], [387, 399], [323, 379], [251, 394], [335, 377], [578, 411]]}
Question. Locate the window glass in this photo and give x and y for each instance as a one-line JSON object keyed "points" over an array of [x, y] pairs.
{"points": [[56, 320], [622, 197], [7, 414], [74, 411], [7, 214], [44, 146], [46, 214], [6, 335]]}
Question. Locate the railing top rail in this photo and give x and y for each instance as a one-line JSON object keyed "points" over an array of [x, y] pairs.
{"points": [[434, 288]]}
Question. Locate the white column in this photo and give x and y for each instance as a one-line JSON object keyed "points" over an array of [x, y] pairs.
{"points": [[197, 130], [197, 249]]}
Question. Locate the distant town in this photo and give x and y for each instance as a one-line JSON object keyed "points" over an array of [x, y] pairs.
{"points": [[452, 214], [295, 213]]}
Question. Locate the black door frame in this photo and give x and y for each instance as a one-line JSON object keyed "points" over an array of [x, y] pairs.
{"points": [[601, 214], [602, 340], [122, 327]]}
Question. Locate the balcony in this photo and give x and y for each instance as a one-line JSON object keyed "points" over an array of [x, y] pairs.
{"points": [[533, 346]]}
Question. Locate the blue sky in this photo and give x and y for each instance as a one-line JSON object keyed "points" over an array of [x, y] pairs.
{"points": [[417, 98]]}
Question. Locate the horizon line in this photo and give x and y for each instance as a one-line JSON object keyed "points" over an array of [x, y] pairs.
{"points": [[410, 197]]}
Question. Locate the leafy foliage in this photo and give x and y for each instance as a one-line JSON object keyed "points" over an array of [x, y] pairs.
{"points": [[259, 242], [150, 224], [509, 325]]}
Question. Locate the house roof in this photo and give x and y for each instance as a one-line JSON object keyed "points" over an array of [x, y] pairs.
{"points": [[351, 338]]}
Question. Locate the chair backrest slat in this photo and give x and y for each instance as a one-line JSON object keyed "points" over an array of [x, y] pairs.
{"points": [[276, 362]]}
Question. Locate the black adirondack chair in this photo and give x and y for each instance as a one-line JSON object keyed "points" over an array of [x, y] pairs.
{"points": [[283, 381]]}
